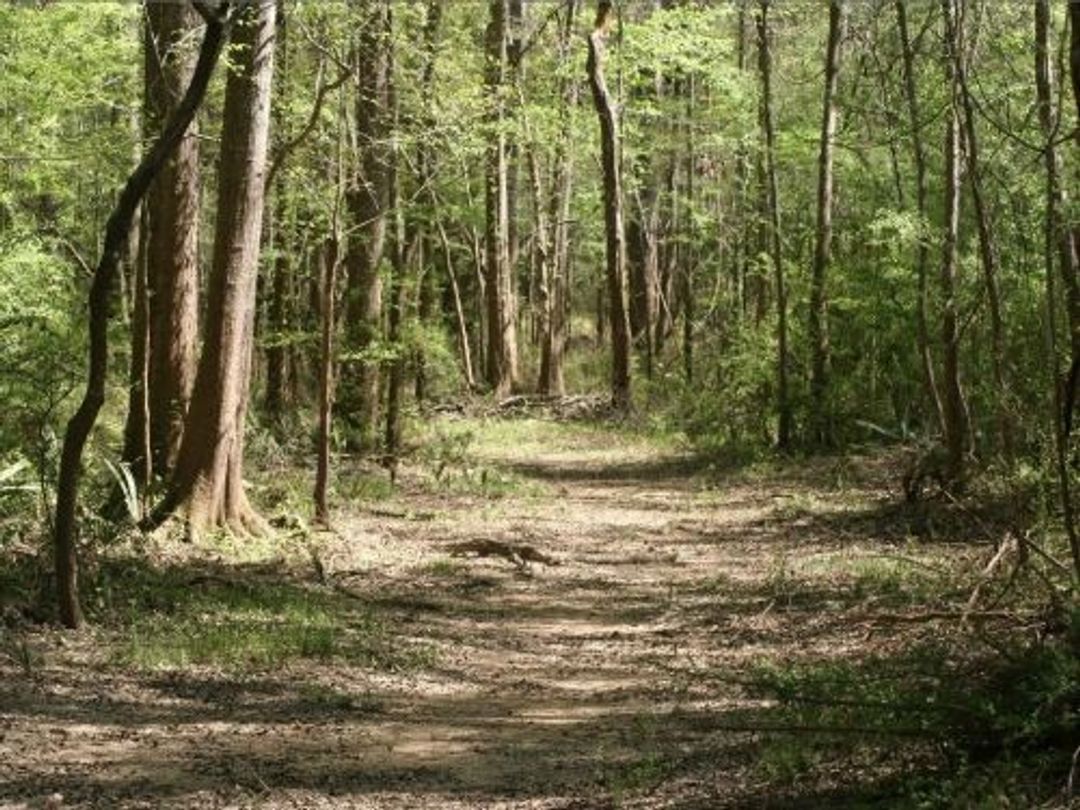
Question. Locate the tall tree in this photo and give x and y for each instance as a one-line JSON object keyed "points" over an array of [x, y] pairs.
{"points": [[615, 245], [775, 242], [987, 249], [956, 425], [368, 201], [1057, 242], [165, 337], [116, 235], [208, 483], [922, 325], [820, 417], [555, 293], [502, 361]]}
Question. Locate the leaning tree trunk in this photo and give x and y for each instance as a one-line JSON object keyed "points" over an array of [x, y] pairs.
{"points": [[499, 289], [208, 486], [956, 424], [166, 342], [772, 197], [922, 328], [367, 201], [820, 417], [115, 242], [613, 218]]}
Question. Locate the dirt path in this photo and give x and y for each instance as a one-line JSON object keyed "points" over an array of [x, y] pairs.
{"points": [[608, 680]]}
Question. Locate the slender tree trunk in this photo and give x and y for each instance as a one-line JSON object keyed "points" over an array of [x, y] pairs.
{"points": [[922, 327], [426, 178], [367, 201], [613, 218], [116, 235], [956, 424], [821, 418], [398, 264], [987, 250], [208, 485], [170, 342], [555, 300], [1074, 369], [326, 379], [459, 309], [1058, 242], [501, 316], [783, 436], [690, 253]]}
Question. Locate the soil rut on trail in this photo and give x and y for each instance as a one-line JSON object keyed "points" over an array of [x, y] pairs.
{"points": [[608, 680]]}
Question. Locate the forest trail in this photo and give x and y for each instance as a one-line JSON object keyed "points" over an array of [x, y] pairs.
{"points": [[612, 679]]}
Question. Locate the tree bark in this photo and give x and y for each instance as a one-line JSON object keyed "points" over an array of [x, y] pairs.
{"points": [[987, 249], [501, 316], [775, 249], [1058, 242], [367, 201], [956, 423], [326, 379], [555, 295], [116, 234], [820, 416], [168, 342], [613, 218], [207, 486], [922, 328]]}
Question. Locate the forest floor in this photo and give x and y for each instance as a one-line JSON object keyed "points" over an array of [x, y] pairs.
{"points": [[384, 665]]}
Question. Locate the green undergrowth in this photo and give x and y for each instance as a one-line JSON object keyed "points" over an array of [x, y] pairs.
{"points": [[176, 618], [973, 729]]}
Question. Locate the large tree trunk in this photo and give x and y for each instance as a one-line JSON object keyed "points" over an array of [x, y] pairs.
{"points": [[613, 218], [115, 242], [956, 424], [555, 297], [922, 328], [367, 201], [820, 416], [166, 343], [772, 196], [499, 283], [208, 486], [1057, 241]]}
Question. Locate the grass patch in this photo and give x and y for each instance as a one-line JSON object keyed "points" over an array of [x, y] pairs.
{"points": [[444, 568], [176, 619]]}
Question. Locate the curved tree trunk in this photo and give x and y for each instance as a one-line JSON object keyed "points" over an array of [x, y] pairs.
{"points": [[115, 242], [207, 486], [613, 217], [166, 343]]}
